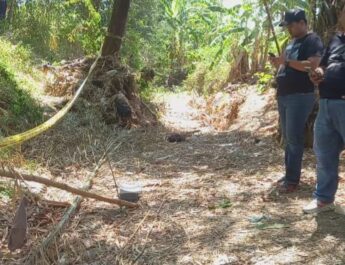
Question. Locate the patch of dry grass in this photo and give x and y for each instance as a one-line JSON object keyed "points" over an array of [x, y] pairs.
{"points": [[212, 187]]}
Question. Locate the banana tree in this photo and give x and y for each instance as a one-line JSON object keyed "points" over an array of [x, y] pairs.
{"points": [[191, 25], [176, 16]]}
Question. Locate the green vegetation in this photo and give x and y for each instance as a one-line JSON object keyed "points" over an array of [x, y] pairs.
{"points": [[6, 192], [199, 45], [18, 82], [264, 81], [176, 38]]}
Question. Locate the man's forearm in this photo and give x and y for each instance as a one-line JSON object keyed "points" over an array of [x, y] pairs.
{"points": [[299, 65], [312, 62]]}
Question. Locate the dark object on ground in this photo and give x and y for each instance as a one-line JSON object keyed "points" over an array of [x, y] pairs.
{"points": [[176, 138], [17, 236], [123, 109], [129, 196]]}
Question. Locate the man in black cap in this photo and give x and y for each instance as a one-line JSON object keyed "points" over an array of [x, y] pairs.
{"points": [[295, 94], [329, 129]]}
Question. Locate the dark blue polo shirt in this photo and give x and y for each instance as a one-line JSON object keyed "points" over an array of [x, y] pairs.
{"points": [[292, 81]]}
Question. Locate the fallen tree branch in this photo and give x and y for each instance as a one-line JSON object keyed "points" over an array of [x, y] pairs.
{"points": [[39, 255], [42, 255], [62, 186]]}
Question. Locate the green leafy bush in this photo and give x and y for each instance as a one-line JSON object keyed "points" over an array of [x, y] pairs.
{"points": [[264, 81], [19, 80]]}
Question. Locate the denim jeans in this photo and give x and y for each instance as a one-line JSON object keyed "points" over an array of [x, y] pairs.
{"points": [[294, 111], [329, 139]]}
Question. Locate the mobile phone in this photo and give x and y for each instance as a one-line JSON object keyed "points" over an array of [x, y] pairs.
{"points": [[271, 54]]}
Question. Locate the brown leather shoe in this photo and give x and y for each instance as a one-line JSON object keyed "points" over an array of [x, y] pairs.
{"points": [[287, 188]]}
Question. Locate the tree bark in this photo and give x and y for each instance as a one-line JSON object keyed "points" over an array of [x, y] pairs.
{"points": [[117, 28]]}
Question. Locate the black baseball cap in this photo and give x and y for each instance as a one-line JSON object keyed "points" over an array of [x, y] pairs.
{"points": [[294, 15]]}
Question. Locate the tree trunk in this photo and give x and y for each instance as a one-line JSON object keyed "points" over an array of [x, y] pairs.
{"points": [[116, 29]]}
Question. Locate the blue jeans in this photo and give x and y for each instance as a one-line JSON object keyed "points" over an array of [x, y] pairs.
{"points": [[294, 111], [329, 139]]}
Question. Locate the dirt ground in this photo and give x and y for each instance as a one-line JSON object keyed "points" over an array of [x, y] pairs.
{"points": [[203, 201]]}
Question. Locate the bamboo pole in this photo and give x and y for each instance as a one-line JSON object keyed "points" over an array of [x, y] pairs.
{"points": [[271, 25], [62, 186]]}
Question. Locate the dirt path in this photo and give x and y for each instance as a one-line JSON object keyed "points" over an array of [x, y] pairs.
{"points": [[179, 114], [213, 186], [204, 199]]}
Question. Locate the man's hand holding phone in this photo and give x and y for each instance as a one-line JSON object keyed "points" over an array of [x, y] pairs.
{"points": [[317, 75], [276, 61]]}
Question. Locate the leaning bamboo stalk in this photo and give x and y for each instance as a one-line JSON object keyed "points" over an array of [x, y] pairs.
{"points": [[62, 186], [41, 252], [271, 25]]}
